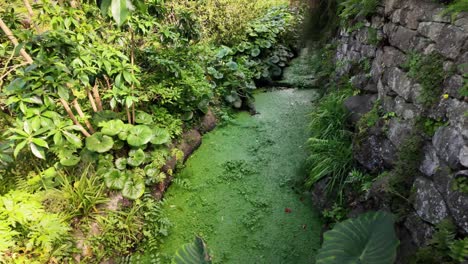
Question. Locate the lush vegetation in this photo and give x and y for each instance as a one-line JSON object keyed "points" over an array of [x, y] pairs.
{"points": [[92, 97], [368, 238]]}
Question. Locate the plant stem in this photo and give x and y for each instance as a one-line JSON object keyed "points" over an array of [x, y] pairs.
{"points": [[13, 40], [97, 97], [72, 116], [82, 115], [91, 100]]}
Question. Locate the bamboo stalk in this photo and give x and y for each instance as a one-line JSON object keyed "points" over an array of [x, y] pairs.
{"points": [[72, 116], [13, 40], [91, 100], [97, 97], [82, 115]]}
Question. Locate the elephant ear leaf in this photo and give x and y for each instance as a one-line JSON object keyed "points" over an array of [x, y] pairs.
{"points": [[193, 253], [369, 238]]}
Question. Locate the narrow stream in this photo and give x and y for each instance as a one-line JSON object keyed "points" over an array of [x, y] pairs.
{"points": [[242, 189]]}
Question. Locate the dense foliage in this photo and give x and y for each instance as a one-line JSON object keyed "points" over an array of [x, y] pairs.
{"points": [[92, 96]]}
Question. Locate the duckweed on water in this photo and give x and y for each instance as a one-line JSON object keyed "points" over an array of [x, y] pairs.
{"points": [[243, 197]]}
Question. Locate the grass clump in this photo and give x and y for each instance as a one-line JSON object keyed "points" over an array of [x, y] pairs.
{"points": [[330, 144]]}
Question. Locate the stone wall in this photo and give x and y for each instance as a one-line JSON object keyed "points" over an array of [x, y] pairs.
{"points": [[373, 56]]}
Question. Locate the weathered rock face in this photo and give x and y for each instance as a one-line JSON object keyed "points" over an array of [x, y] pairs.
{"points": [[359, 105], [405, 27], [429, 203]]}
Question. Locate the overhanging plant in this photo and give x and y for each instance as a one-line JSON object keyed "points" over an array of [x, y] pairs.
{"points": [[368, 238]]}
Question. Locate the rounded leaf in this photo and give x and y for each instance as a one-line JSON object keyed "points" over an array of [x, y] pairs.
{"points": [[99, 142], [255, 52], [160, 136], [136, 157], [112, 127], [70, 160], [139, 135], [369, 238], [115, 179], [121, 163], [143, 118], [133, 189]]}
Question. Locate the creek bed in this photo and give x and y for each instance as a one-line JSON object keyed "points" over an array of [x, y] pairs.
{"points": [[242, 189]]}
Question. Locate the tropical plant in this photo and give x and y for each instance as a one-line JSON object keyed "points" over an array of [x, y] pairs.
{"points": [[368, 238], [195, 252]]}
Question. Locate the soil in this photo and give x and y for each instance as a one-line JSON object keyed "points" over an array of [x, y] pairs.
{"points": [[241, 191]]}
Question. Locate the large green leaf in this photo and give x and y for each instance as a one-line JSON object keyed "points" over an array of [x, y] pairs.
{"points": [[160, 136], [133, 188], [120, 11], [115, 179], [112, 127], [369, 238], [193, 253], [139, 135], [99, 142], [143, 118]]}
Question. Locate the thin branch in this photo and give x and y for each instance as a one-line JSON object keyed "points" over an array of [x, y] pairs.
{"points": [[13, 40], [12, 69], [77, 107], [31, 14], [72, 116]]}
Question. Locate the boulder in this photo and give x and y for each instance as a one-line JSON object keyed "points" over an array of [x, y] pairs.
{"points": [[457, 202], [456, 110], [463, 157], [375, 153], [358, 105], [360, 81], [453, 85], [402, 38], [399, 132], [401, 84], [429, 203], [448, 143], [430, 163], [420, 231], [392, 57], [448, 39], [405, 110]]}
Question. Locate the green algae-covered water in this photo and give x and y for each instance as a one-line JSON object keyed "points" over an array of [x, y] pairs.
{"points": [[243, 189]]}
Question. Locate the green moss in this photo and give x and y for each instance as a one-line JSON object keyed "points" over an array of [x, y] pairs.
{"points": [[373, 37], [428, 71]]}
